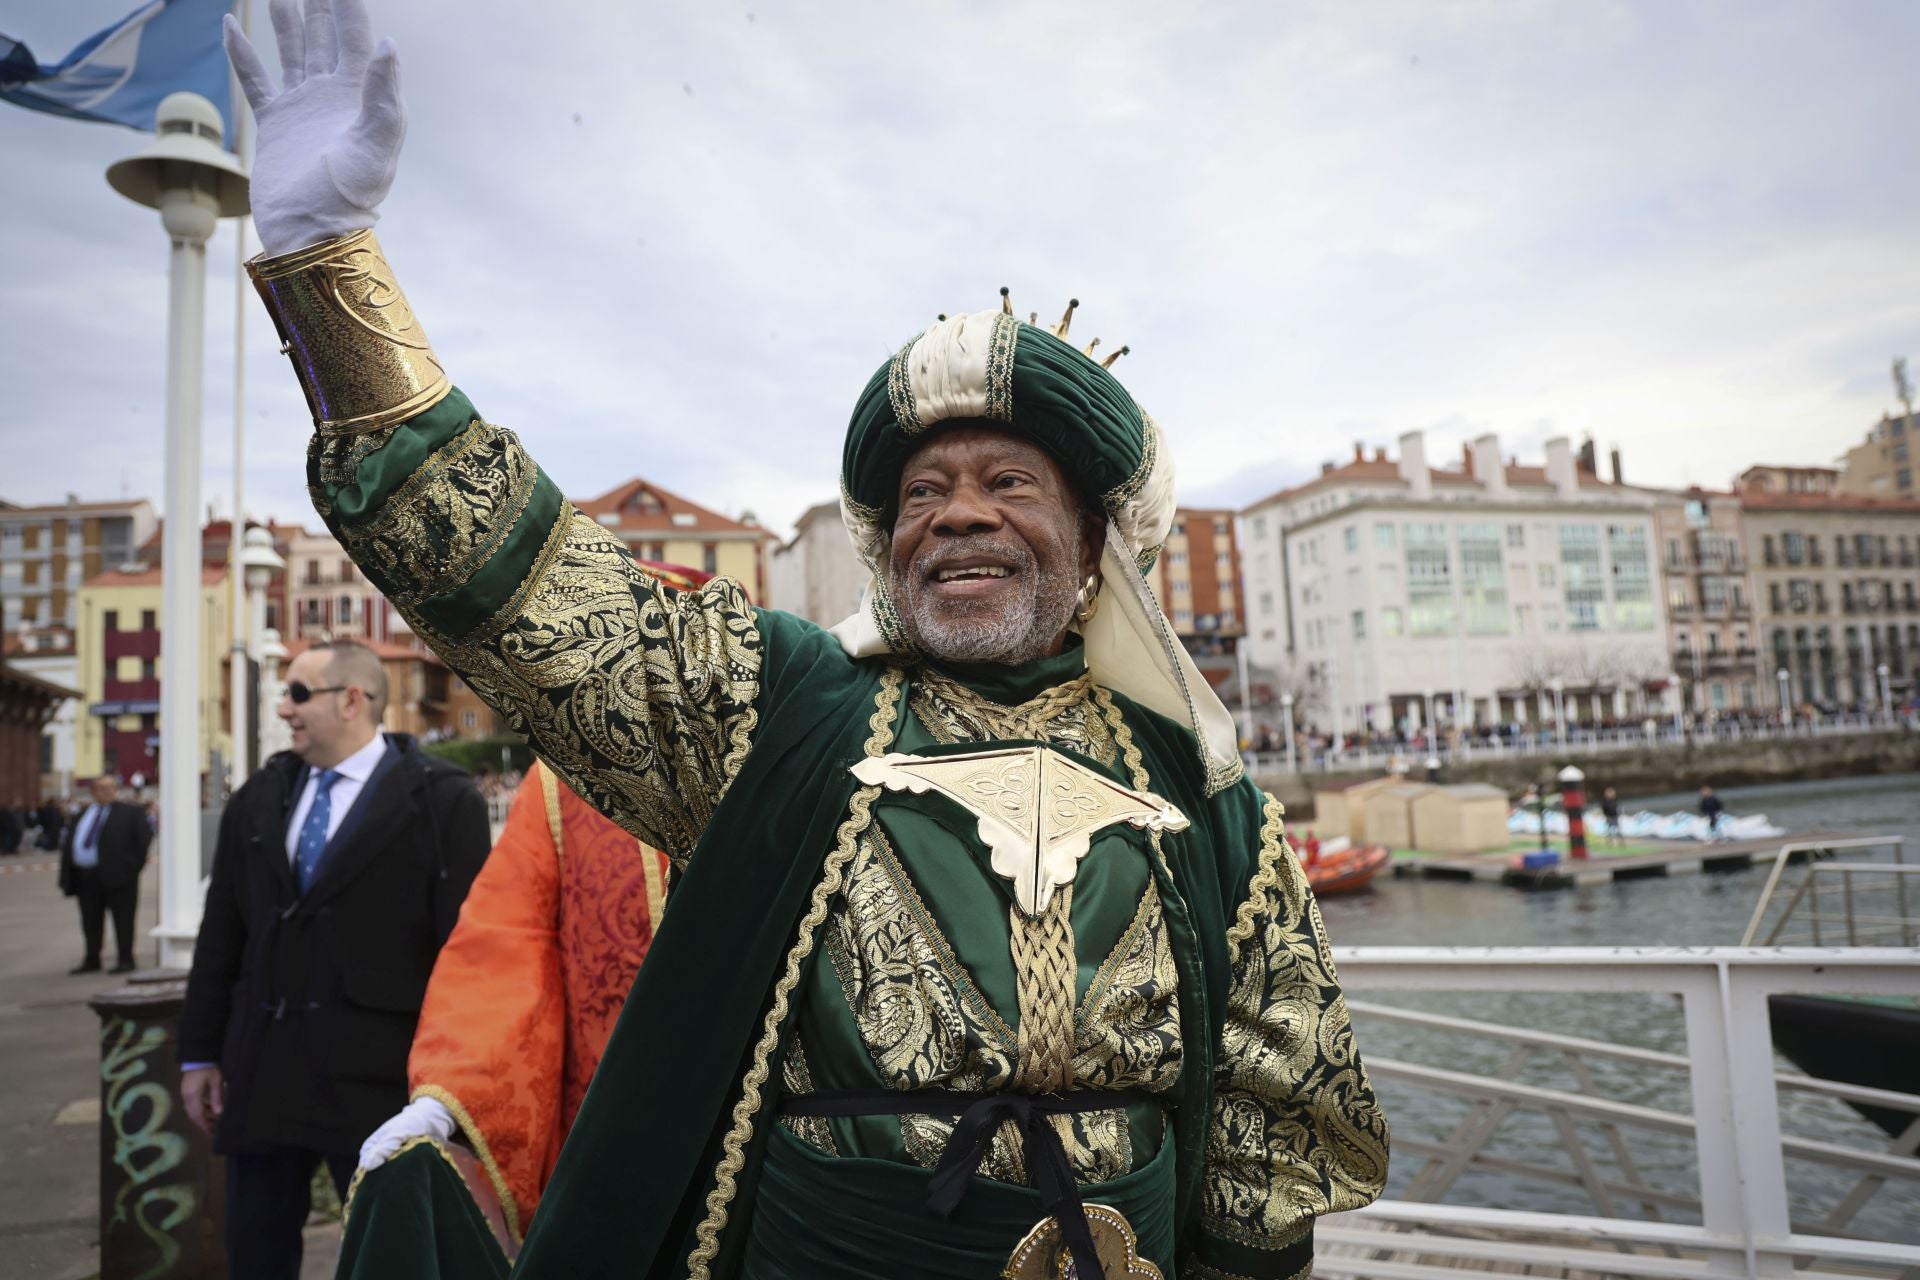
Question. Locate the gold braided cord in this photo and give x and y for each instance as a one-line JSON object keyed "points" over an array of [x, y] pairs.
{"points": [[1266, 876], [422, 1140], [1031, 719], [550, 792], [478, 1141], [1044, 968], [733, 1147]]}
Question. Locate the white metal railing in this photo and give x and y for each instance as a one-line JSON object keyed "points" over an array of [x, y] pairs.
{"points": [[1538, 740], [1903, 926], [1742, 1200]]}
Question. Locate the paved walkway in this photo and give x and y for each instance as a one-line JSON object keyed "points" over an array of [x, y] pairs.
{"points": [[49, 1081]]}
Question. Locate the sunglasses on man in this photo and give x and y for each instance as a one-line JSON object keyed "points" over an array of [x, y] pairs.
{"points": [[299, 692]]}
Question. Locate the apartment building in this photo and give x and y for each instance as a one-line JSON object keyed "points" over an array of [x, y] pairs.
{"points": [[47, 551], [1197, 578], [1837, 594], [327, 597], [816, 573], [657, 524], [1404, 595], [1707, 581], [1882, 465], [117, 644]]}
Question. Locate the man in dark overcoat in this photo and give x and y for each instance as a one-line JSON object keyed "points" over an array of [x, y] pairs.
{"points": [[101, 855], [340, 870]]}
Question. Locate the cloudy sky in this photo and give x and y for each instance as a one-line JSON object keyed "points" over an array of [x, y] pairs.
{"points": [[674, 240]]}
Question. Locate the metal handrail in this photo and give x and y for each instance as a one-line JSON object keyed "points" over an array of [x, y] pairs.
{"points": [[1896, 843], [1748, 1222]]}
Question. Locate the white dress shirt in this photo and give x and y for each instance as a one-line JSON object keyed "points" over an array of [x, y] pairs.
{"points": [[354, 772]]}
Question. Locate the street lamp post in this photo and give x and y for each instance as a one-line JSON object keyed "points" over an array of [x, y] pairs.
{"points": [[259, 562], [1886, 693], [193, 183], [1786, 704], [1286, 708], [274, 735], [1559, 688], [1428, 695]]}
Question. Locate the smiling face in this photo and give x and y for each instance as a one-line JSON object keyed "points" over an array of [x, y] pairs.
{"points": [[990, 547], [327, 727]]}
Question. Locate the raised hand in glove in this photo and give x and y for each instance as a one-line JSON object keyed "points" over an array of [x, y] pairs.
{"points": [[329, 139], [421, 1118]]}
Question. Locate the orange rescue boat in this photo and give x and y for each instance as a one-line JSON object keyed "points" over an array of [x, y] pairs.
{"points": [[1339, 867]]}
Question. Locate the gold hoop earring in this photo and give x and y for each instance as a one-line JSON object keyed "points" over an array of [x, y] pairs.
{"points": [[1087, 602]]}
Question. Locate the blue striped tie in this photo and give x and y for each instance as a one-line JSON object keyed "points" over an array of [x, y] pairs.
{"points": [[313, 832]]}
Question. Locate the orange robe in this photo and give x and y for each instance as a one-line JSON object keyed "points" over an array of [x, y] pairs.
{"points": [[527, 988]]}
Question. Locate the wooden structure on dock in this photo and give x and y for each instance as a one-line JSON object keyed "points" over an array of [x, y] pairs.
{"points": [[1468, 817], [1685, 857]]}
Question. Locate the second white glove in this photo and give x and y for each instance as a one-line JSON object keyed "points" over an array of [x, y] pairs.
{"points": [[421, 1118]]}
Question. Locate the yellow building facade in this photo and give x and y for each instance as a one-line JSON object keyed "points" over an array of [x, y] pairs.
{"points": [[117, 649]]}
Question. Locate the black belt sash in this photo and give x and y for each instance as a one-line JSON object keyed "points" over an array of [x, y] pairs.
{"points": [[980, 1114]]}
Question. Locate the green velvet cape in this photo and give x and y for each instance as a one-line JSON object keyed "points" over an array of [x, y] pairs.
{"points": [[637, 1172]]}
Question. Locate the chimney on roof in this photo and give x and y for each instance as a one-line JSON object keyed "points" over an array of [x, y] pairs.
{"points": [[1413, 466], [1485, 452], [1589, 463], [73, 499], [1613, 456], [1326, 468], [1560, 472], [1466, 457], [1380, 454], [1359, 452]]}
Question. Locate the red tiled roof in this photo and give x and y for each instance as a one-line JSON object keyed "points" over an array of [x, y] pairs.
{"points": [[209, 575], [1762, 501], [61, 508], [1374, 470], [621, 501]]}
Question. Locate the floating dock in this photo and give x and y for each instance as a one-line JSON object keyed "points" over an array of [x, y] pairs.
{"points": [[1669, 858]]}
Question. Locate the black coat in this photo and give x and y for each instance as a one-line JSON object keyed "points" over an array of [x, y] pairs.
{"points": [[123, 840], [308, 1002]]}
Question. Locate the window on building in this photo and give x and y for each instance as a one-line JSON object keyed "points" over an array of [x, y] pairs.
{"points": [[149, 621], [343, 610], [313, 573], [1545, 577], [1696, 512], [1220, 526], [1429, 580], [110, 620], [1522, 618], [1773, 597], [1795, 547], [1266, 604], [1516, 537], [1259, 526], [147, 671], [1359, 624], [709, 557], [1352, 538], [1483, 580], [1713, 594], [1903, 478], [1183, 617], [1390, 621], [1633, 579], [346, 570], [1383, 536], [469, 720], [1585, 590], [656, 551], [1799, 596]]}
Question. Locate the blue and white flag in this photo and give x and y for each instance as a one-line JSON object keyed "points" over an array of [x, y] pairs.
{"points": [[120, 74]]}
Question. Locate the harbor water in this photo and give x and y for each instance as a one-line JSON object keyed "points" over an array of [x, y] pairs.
{"points": [[1710, 909]]}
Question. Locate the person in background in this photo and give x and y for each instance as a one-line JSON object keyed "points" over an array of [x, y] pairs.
{"points": [[13, 827], [52, 820], [1610, 811], [100, 862], [1711, 808], [340, 869]]}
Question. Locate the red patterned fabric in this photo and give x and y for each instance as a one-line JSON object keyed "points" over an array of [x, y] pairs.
{"points": [[527, 989]]}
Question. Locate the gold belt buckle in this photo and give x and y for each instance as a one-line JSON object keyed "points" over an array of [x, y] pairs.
{"points": [[1043, 1254]]}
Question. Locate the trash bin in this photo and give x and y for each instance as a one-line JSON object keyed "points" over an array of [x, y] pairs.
{"points": [[162, 1190]]}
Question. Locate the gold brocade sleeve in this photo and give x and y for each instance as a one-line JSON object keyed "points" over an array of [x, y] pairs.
{"points": [[1296, 1131], [639, 696]]}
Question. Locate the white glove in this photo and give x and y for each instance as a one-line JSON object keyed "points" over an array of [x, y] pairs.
{"points": [[421, 1118], [329, 140]]}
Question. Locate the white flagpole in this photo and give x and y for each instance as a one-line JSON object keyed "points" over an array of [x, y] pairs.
{"points": [[238, 686]]}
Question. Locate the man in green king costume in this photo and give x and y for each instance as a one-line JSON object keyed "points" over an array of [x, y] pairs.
{"points": [[983, 957]]}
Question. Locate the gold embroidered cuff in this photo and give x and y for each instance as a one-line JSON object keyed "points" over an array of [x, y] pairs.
{"points": [[361, 356]]}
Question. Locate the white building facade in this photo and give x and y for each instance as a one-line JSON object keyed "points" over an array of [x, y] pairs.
{"points": [[1403, 596], [816, 573]]}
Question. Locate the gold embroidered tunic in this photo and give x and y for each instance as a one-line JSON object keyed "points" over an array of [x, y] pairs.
{"points": [[647, 702]]}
